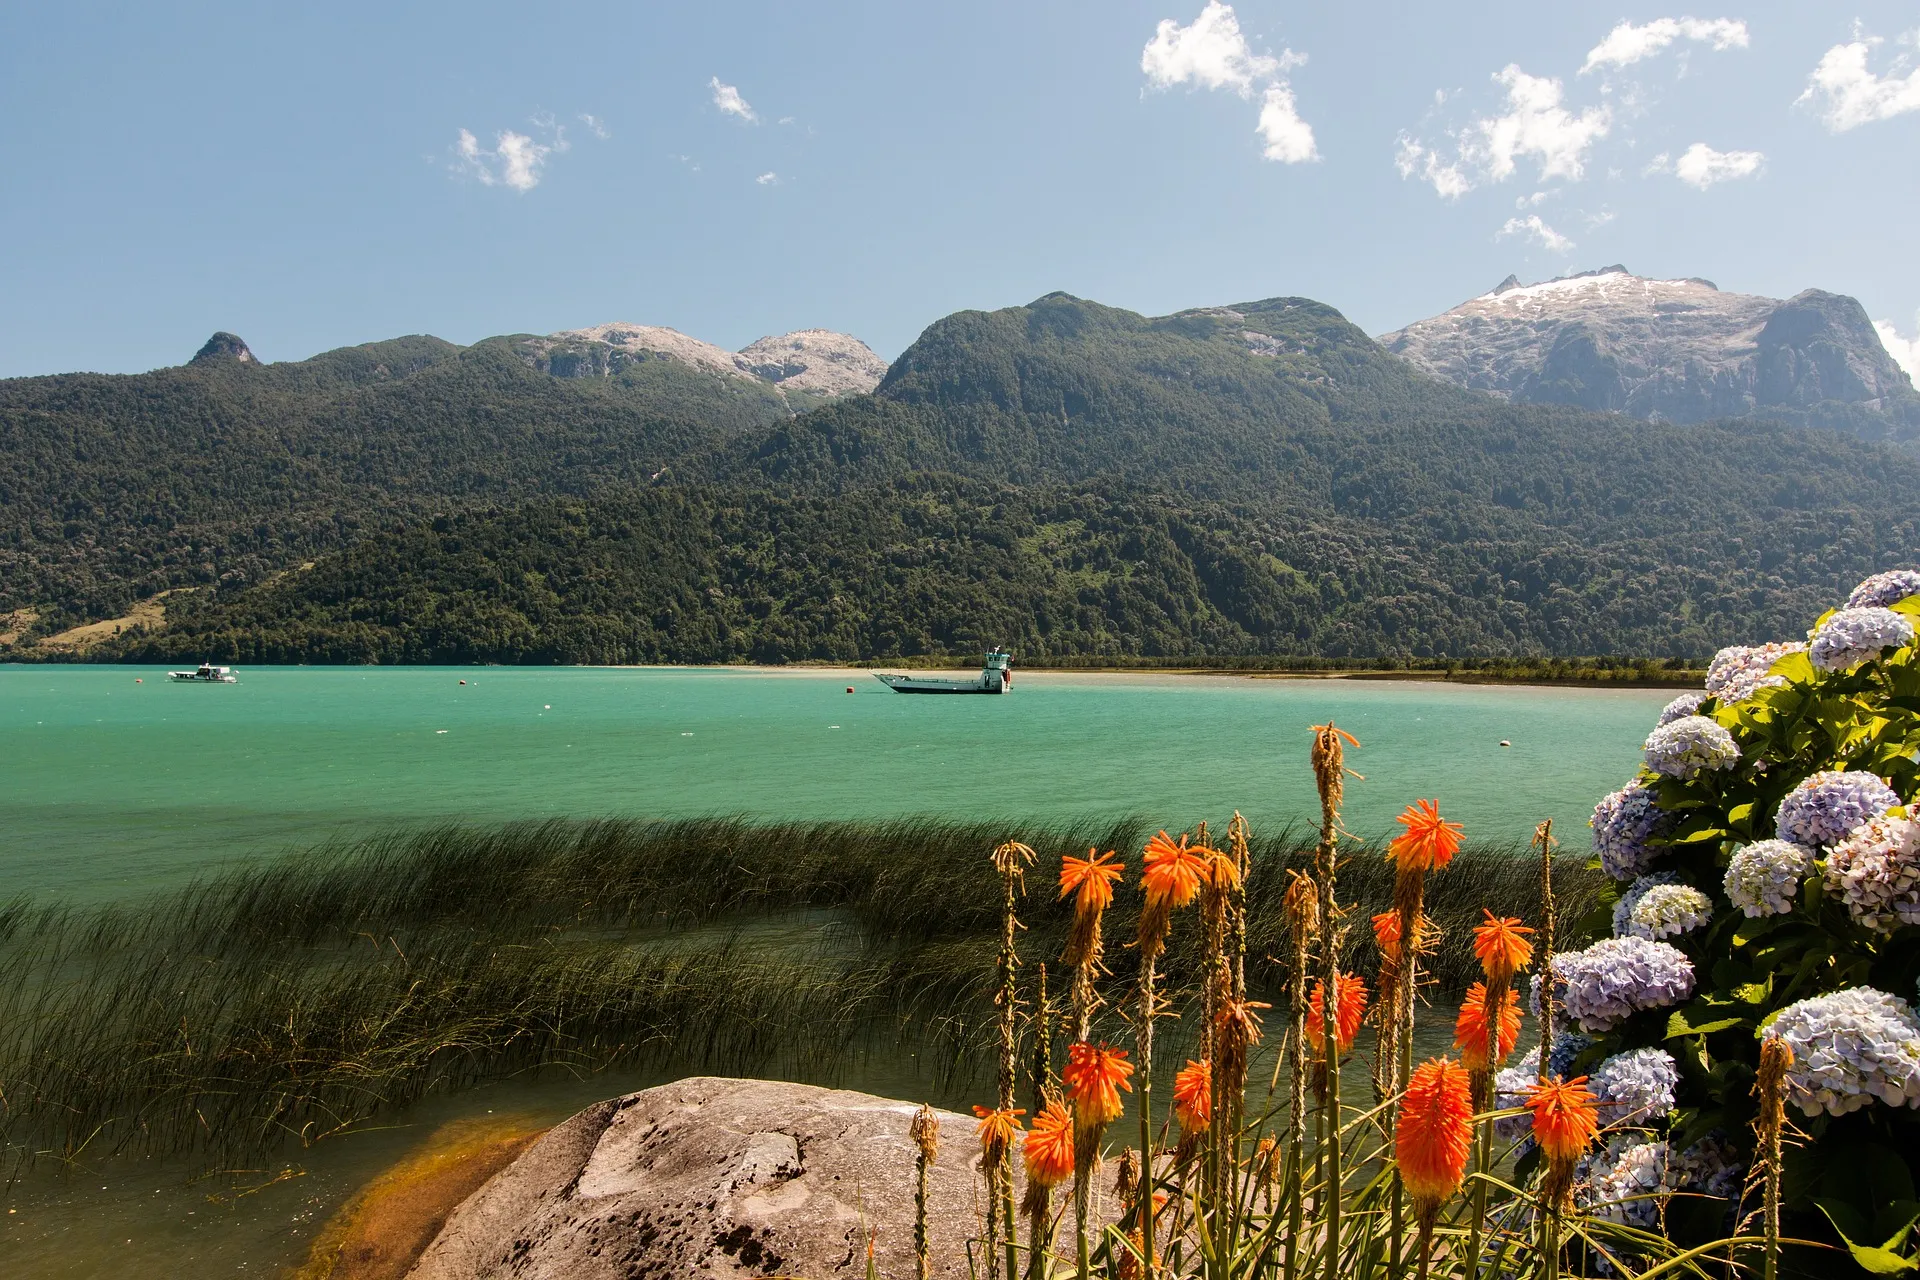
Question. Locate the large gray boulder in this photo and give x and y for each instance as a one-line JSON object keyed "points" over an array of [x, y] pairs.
{"points": [[716, 1178]]}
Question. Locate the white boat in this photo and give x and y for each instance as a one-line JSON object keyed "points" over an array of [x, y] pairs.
{"points": [[996, 676], [206, 673]]}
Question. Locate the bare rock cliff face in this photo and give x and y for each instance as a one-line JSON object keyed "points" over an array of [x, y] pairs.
{"points": [[1672, 350], [716, 1178], [805, 366]]}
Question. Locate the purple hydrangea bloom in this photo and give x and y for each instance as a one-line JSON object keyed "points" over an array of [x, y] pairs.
{"points": [[1624, 824], [1849, 1048], [1764, 877], [1684, 705], [1623, 909], [1710, 1167], [1826, 807], [1876, 872], [1851, 636], [1742, 670], [1615, 977], [1689, 745], [1883, 589], [1635, 1087]]}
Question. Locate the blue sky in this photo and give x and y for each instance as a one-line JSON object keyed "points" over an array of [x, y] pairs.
{"points": [[315, 176]]}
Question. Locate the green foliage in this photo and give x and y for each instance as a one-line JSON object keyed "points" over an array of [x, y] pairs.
{"points": [[1857, 1170]]}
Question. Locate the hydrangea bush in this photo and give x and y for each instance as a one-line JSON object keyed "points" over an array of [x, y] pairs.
{"points": [[1768, 886]]}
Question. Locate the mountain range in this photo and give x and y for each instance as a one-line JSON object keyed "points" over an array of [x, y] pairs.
{"points": [[1670, 350], [1258, 478]]}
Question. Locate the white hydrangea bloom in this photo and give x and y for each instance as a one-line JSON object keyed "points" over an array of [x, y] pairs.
{"points": [[1886, 588], [1623, 909], [1688, 746], [1625, 1182], [1851, 636], [1667, 910], [1635, 1087], [1850, 1048], [1876, 872], [1764, 877], [1740, 671]]}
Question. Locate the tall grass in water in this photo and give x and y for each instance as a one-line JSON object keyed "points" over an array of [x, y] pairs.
{"points": [[285, 1001]]}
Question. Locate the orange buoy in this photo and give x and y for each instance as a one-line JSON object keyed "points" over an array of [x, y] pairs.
{"points": [[849, 688]]}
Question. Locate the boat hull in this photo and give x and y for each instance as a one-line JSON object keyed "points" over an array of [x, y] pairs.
{"points": [[916, 684]]}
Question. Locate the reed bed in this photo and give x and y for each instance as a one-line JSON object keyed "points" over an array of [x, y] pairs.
{"points": [[290, 1000]]}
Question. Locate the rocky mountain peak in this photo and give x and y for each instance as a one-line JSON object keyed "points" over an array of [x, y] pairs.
{"points": [[814, 364], [224, 346], [1679, 350]]}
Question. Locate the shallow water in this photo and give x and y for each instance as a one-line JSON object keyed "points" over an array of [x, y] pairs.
{"points": [[117, 781]]}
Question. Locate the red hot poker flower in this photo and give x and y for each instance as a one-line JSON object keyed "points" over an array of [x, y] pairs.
{"points": [[1350, 1006], [1193, 1096], [1434, 1134], [1094, 1078], [1429, 841], [1566, 1118], [1090, 880], [1502, 947], [996, 1130], [1173, 872], [1049, 1147], [1470, 1028]]}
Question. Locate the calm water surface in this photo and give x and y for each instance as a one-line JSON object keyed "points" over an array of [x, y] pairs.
{"points": [[118, 781]]}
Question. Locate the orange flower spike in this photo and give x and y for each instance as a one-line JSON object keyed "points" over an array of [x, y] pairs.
{"points": [[1094, 1078], [1566, 1118], [1386, 934], [997, 1129], [1434, 1134], [1502, 947], [1429, 841], [1350, 1007], [1193, 1096], [1470, 1029], [1173, 872], [1049, 1147], [1323, 728], [1090, 880]]}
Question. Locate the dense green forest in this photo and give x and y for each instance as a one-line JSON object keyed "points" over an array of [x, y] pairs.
{"points": [[932, 566], [1067, 478]]}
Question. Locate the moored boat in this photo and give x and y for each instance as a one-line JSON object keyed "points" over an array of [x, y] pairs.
{"points": [[206, 673], [996, 676]]}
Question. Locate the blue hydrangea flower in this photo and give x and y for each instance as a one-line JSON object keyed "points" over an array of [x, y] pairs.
{"points": [[1624, 825], [1689, 745], [1876, 872], [1850, 1048], [1851, 636], [1764, 877], [1742, 670], [1624, 1182], [1635, 1087], [1623, 909], [1684, 705], [1883, 589], [1668, 910], [1710, 1167], [1826, 807], [1615, 977]]}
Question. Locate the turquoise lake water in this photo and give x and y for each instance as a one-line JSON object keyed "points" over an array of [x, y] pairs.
{"points": [[116, 781]]}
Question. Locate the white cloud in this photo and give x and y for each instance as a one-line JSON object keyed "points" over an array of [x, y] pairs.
{"points": [[1535, 228], [1536, 124], [1701, 166], [1905, 351], [1627, 44], [1850, 95], [768, 179], [728, 99], [1211, 53], [1535, 200], [596, 126], [514, 160], [1448, 179], [1289, 138]]}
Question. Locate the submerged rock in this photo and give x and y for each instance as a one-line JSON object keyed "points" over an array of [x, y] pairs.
{"points": [[715, 1178]]}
